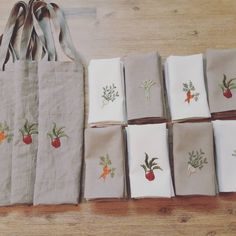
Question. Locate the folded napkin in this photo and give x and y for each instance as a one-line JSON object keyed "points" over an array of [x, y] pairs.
{"points": [[105, 163], [221, 79], [225, 136], [143, 82], [106, 93], [149, 169], [194, 168], [185, 87]]}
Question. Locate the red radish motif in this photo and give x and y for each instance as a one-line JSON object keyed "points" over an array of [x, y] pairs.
{"points": [[227, 86], [56, 134], [149, 167], [27, 131]]}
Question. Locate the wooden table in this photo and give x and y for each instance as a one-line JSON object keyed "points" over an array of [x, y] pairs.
{"points": [[111, 28]]}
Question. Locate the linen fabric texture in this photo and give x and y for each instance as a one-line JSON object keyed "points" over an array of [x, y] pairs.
{"points": [[186, 87], [193, 154], [144, 88], [106, 92], [104, 163], [149, 177], [225, 135], [221, 80]]}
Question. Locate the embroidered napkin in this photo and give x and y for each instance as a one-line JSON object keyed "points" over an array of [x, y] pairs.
{"points": [[194, 168], [106, 94], [185, 87], [221, 79], [149, 169], [225, 136], [143, 83], [105, 163]]}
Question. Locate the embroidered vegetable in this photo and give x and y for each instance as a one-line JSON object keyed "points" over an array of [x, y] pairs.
{"points": [[149, 167], [27, 131], [147, 85], [5, 133], [107, 169], [56, 134], [109, 94], [189, 89], [227, 86], [196, 161]]}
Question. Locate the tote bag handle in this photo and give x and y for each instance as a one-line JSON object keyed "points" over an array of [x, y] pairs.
{"points": [[15, 21], [43, 15]]}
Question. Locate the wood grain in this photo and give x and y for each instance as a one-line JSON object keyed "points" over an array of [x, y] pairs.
{"points": [[111, 28]]}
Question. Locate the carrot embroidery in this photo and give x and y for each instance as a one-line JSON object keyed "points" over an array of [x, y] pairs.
{"points": [[147, 85], [227, 86], [196, 161], [149, 167], [189, 90], [5, 133], [56, 134], [234, 153], [27, 131], [110, 94], [107, 168]]}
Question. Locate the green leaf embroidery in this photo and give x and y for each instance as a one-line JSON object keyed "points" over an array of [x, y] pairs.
{"points": [[109, 94], [147, 85]]}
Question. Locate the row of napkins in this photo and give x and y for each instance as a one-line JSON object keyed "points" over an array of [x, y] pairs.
{"points": [[148, 160]]}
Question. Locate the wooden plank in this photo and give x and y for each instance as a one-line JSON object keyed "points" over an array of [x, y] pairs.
{"points": [[110, 28]]}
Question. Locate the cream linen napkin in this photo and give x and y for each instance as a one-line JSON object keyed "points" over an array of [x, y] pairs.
{"points": [[225, 136], [185, 87], [106, 93], [149, 169]]}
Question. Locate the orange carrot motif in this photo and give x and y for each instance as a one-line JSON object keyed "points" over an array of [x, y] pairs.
{"points": [[107, 168], [5, 133], [189, 89]]}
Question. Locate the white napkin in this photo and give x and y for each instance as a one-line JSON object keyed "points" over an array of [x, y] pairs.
{"points": [[149, 140], [106, 92], [225, 136], [185, 87]]}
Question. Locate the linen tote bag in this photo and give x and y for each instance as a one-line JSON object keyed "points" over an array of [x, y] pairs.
{"points": [[186, 87], [221, 80], [144, 88], [7, 101], [193, 154], [26, 121], [148, 158], [225, 136], [105, 163], [61, 117]]}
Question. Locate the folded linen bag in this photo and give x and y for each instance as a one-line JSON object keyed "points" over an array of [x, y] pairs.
{"points": [[194, 168], [106, 93], [225, 136], [105, 163], [144, 88], [149, 169], [221, 80], [185, 87]]}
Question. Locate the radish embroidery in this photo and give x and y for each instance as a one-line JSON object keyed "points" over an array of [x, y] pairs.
{"points": [[196, 161], [56, 134], [27, 131], [109, 94], [227, 86], [147, 85], [149, 167], [5, 133], [107, 168], [189, 89]]}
